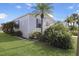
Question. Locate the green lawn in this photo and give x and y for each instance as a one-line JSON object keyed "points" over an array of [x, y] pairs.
{"points": [[10, 45]]}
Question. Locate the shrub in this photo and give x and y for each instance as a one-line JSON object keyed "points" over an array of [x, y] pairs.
{"points": [[8, 27], [18, 33], [73, 28], [35, 35], [58, 36], [75, 33]]}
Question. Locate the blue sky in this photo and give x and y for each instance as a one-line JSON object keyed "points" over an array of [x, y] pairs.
{"points": [[10, 11]]}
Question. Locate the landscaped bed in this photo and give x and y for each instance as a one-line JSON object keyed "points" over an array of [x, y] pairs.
{"points": [[11, 45]]}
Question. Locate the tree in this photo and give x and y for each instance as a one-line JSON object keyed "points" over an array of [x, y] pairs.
{"points": [[74, 17], [8, 27], [69, 20], [42, 9]]}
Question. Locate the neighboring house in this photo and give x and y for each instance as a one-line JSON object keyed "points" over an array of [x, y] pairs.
{"points": [[28, 24]]}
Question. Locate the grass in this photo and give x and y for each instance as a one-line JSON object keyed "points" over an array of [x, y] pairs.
{"points": [[13, 46]]}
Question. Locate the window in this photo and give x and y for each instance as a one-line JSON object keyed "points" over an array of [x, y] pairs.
{"points": [[38, 23], [17, 24]]}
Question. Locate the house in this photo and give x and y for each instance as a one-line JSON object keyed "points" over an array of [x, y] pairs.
{"points": [[28, 23]]}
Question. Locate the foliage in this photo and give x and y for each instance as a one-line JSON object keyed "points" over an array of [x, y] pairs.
{"points": [[73, 28], [75, 33], [58, 36], [69, 19], [35, 35], [18, 33], [8, 27], [72, 19]]}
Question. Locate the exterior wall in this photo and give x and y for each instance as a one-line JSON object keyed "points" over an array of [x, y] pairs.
{"points": [[27, 24], [23, 25], [32, 24]]}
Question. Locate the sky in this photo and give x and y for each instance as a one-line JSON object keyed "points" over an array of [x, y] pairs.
{"points": [[10, 11]]}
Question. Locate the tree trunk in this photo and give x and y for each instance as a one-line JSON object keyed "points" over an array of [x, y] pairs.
{"points": [[68, 24], [73, 24], [41, 25], [42, 17], [77, 51]]}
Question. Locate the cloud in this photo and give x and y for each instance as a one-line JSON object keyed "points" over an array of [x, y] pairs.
{"points": [[18, 7], [71, 7], [3, 15], [77, 10], [30, 5]]}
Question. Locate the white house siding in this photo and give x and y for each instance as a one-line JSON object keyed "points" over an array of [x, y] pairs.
{"points": [[27, 24], [23, 25], [32, 24]]}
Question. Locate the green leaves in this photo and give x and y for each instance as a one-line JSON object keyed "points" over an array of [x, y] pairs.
{"points": [[58, 36]]}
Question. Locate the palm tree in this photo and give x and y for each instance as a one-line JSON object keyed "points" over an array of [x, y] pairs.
{"points": [[42, 9], [74, 17], [69, 20]]}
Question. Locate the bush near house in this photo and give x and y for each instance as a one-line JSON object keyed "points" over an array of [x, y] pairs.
{"points": [[8, 28], [74, 33], [36, 35], [18, 33], [73, 30], [58, 36]]}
